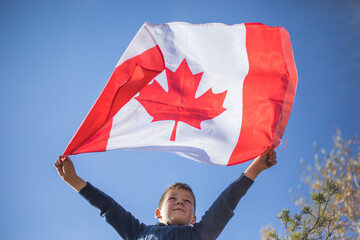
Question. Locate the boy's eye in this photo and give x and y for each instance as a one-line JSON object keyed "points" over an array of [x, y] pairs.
{"points": [[188, 201]]}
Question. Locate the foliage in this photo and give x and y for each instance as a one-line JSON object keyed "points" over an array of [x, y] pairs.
{"points": [[334, 209]]}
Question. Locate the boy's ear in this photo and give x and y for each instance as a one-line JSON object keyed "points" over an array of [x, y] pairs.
{"points": [[158, 213], [193, 221]]}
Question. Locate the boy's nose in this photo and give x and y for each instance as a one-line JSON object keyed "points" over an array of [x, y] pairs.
{"points": [[179, 202]]}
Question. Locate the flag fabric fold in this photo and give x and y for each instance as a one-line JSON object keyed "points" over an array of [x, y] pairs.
{"points": [[213, 93]]}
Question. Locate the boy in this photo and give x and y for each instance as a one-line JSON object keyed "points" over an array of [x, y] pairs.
{"points": [[176, 210]]}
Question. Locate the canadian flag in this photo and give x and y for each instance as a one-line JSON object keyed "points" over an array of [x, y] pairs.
{"points": [[213, 93]]}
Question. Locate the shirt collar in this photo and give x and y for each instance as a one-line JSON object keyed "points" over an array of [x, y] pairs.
{"points": [[161, 224]]}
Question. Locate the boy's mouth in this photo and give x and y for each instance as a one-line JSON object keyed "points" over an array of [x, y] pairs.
{"points": [[179, 209]]}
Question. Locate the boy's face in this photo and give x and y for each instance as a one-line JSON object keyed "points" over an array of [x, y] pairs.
{"points": [[177, 208]]}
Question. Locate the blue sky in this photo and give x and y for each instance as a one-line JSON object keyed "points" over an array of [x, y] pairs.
{"points": [[56, 57]]}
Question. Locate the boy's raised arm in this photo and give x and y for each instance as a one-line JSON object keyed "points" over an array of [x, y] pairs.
{"points": [[67, 172], [264, 161]]}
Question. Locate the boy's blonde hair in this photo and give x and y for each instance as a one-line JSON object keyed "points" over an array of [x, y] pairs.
{"points": [[178, 185]]}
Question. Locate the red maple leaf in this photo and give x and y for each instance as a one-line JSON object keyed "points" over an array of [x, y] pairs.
{"points": [[179, 103]]}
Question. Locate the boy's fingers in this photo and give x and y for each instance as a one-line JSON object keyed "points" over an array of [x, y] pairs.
{"points": [[67, 162], [273, 163], [58, 160], [269, 163], [272, 156], [57, 163], [272, 153], [268, 153]]}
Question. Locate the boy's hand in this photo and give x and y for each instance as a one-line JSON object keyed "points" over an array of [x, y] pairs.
{"points": [[65, 169], [264, 161], [67, 172]]}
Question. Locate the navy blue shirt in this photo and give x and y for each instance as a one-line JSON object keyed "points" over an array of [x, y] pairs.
{"points": [[209, 227]]}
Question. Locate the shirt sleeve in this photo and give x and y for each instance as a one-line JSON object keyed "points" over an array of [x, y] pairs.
{"points": [[222, 210], [121, 220]]}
